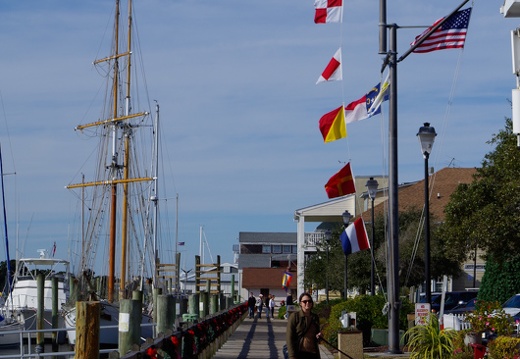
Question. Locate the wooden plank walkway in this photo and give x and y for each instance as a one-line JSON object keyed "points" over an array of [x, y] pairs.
{"points": [[259, 338]]}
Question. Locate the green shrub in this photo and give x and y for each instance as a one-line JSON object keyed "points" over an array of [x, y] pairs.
{"points": [[460, 349], [504, 347], [429, 341]]}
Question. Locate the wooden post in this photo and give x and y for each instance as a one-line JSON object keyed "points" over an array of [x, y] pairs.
{"points": [[233, 288], [213, 308], [165, 314], [194, 305], [40, 287], [87, 330], [129, 324], [54, 313]]}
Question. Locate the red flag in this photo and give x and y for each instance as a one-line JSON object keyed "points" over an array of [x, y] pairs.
{"points": [[341, 184], [328, 11], [333, 71]]}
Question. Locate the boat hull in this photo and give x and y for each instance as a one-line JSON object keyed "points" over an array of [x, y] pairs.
{"points": [[109, 325]]}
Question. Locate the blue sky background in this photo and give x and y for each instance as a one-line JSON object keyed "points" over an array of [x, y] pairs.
{"points": [[236, 83]]}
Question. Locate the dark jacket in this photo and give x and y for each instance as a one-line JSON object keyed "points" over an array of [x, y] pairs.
{"points": [[296, 329], [251, 302]]}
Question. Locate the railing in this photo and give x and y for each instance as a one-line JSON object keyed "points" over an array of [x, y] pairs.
{"points": [[455, 321], [201, 340], [313, 239]]}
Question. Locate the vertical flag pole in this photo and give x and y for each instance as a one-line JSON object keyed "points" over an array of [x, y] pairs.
{"points": [[393, 228], [393, 237]]}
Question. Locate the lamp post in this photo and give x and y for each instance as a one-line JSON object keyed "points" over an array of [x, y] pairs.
{"points": [[426, 136], [328, 236], [346, 219], [372, 192]]}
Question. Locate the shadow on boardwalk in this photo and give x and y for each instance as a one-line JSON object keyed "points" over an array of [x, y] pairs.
{"points": [[258, 338]]}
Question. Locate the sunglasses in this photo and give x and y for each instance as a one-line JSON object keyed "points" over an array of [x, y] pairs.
{"points": [[306, 301]]}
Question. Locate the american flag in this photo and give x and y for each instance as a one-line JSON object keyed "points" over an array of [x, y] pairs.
{"points": [[450, 35]]}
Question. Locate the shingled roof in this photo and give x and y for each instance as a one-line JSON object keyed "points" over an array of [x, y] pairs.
{"points": [[442, 184]]}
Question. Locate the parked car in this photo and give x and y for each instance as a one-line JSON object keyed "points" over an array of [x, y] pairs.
{"points": [[462, 308], [512, 306], [451, 300]]}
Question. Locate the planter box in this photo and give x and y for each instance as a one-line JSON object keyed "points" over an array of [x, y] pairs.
{"points": [[351, 343], [380, 336]]}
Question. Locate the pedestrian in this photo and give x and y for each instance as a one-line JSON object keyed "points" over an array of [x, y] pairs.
{"points": [[303, 331], [260, 305], [272, 304], [251, 302]]}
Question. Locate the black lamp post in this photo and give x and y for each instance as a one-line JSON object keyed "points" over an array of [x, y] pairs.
{"points": [[426, 136], [372, 192], [328, 236], [346, 219]]}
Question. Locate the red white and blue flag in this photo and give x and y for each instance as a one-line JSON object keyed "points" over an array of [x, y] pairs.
{"points": [[328, 11], [354, 238], [450, 35]]}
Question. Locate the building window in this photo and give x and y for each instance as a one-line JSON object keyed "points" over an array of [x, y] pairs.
{"points": [[266, 248], [277, 248], [286, 249], [294, 249]]}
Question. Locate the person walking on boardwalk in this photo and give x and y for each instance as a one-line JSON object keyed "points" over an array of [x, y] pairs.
{"points": [[251, 302], [272, 304], [260, 305], [303, 331]]}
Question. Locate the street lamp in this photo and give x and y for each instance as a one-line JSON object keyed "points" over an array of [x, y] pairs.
{"points": [[328, 236], [372, 192], [346, 219], [426, 136]]}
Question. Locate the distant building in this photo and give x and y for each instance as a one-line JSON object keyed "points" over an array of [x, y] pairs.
{"points": [[263, 259]]}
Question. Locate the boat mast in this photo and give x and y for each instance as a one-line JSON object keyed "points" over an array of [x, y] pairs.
{"points": [[126, 165], [5, 227], [114, 166]]}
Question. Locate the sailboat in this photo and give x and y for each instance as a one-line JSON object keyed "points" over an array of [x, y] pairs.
{"points": [[122, 199], [8, 323]]}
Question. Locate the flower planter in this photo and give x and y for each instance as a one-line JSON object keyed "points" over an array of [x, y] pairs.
{"points": [[351, 342]]}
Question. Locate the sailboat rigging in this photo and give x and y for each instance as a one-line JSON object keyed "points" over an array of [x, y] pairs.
{"points": [[123, 197]]}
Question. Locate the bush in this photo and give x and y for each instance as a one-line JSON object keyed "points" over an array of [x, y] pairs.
{"points": [[504, 348], [429, 341]]}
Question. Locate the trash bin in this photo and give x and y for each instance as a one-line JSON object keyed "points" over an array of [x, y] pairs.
{"points": [[479, 351]]}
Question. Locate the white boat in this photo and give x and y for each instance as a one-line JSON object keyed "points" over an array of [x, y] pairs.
{"points": [[22, 302], [122, 199], [10, 326]]}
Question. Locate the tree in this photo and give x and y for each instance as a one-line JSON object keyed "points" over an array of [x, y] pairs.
{"points": [[411, 264], [484, 215]]}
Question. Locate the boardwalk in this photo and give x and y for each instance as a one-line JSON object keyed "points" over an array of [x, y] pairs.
{"points": [[258, 339]]}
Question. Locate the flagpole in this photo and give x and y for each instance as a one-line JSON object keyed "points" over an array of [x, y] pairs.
{"points": [[393, 228]]}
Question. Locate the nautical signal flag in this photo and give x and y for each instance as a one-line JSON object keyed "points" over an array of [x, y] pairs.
{"points": [[450, 35], [333, 71], [341, 184], [354, 238], [286, 280], [328, 11], [332, 125], [368, 105]]}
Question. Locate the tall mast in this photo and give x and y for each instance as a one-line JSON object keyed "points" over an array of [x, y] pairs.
{"points": [[127, 139], [114, 165]]}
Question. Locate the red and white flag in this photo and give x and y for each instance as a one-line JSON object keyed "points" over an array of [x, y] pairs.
{"points": [[333, 71], [328, 11]]}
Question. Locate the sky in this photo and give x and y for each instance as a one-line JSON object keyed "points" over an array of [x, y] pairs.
{"points": [[239, 106]]}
